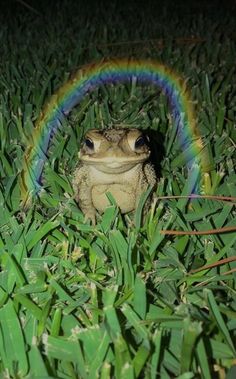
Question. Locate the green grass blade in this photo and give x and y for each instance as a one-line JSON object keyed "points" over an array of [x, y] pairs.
{"points": [[219, 320], [13, 340]]}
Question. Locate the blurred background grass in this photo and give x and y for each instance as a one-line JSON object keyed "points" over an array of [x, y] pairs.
{"points": [[116, 301]]}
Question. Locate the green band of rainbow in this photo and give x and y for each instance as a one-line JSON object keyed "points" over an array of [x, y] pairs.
{"points": [[86, 80]]}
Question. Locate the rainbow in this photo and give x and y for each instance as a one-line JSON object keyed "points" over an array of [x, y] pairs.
{"points": [[86, 80]]}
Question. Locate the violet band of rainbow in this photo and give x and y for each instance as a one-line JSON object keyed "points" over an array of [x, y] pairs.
{"points": [[91, 77]]}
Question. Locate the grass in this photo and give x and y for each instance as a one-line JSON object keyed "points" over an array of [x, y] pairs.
{"points": [[116, 301]]}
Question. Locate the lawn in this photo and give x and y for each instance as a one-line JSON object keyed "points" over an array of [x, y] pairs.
{"points": [[119, 299]]}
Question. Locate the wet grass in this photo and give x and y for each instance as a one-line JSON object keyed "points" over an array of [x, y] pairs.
{"points": [[116, 300]]}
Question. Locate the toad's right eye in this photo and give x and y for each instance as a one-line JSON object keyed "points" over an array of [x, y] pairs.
{"points": [[89, 143]]}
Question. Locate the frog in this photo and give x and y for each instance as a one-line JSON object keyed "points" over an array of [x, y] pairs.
{"points": [[116, 161]]}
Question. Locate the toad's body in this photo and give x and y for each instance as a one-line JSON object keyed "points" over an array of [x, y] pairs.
{"points": [[122, 186], [114, 161]]}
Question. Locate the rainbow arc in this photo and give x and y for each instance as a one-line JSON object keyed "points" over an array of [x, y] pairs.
{"points": [[85, 81]]}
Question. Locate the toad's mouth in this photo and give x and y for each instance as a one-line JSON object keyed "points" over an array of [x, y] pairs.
{"points": [[114, 165], [114, 161]]}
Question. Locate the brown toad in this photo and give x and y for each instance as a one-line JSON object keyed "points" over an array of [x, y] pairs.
{"points": [[115, 161]]}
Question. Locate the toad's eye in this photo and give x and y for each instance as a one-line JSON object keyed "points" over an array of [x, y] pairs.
{"points": [[89, 143], [140, 142]]}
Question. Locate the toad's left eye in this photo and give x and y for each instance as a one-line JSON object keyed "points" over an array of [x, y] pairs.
{"points": [[140, 141], [89, 143]]}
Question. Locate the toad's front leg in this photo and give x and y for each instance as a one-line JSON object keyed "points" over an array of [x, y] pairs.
{"points": [[146, 180], [83, 194]]}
